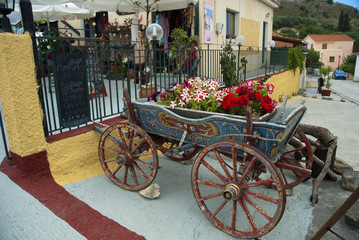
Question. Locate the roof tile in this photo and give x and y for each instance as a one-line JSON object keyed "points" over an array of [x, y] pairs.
{"points": [[329, 37]]}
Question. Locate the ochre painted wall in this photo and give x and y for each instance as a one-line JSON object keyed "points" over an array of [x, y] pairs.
{"points": [[284, 83], [75, 158], [250, 30], [19, 95]]}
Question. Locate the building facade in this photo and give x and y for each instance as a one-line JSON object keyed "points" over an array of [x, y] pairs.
{"points": [[333, 48]]}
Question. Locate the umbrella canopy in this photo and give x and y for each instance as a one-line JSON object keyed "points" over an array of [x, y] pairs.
{"points": [[68, 11], [134, 5]]}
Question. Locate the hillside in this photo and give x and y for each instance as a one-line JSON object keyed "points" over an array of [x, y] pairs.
{"points": [[319, 10]]}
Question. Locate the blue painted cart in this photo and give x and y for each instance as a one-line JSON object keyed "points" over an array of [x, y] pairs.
{"points": [[242, 169]]}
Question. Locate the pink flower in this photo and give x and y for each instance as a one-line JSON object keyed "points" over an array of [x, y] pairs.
{"points": [[270, 88], [249, 83]]}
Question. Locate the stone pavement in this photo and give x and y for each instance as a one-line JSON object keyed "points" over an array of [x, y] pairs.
{"points": [[175, 214]]}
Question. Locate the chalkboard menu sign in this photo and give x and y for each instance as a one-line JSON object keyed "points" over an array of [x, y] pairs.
{"points": [[73, 95]]}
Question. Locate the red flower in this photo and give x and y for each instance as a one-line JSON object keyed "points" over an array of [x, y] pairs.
{"points": [[241, 90], [267, 99], [268, 108], [258, 96], [243, 101]]}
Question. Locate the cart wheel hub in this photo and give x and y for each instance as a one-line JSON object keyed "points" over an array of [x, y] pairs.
{"points": [[232, 192], [120, 160]]}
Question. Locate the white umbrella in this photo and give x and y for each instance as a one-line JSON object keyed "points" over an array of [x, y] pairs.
{"points": [[65, 11], [134, 5]]}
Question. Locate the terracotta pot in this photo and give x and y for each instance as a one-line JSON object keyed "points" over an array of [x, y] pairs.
{"points": [[146, 92], [326, 92]]}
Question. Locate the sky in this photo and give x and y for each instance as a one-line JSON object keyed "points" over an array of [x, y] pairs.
{"points": [[354, 3]]}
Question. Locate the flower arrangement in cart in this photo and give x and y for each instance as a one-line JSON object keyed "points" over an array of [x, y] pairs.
{"points": [[206, 95]]}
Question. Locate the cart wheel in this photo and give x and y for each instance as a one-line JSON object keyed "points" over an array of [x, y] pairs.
{"points": [[296, 163], [230, 193], [168, 148], [128, 156]]}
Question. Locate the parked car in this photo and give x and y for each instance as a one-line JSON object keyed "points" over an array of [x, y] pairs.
{"points": [[339, 74]]}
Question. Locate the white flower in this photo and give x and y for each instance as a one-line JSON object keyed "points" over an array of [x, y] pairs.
{"points": [[173, 104]]}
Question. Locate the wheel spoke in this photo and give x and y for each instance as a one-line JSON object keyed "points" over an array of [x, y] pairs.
{"points": [[208, 183], [126, 174], [211, 196], [258, 208], [259, 183], [295, 150], [133, 172], [220, 207], [140, 142], [142, 154], [131, 135], [220, 160], [214, 171], [261, 196], [234, 215], [114, 172], [110, 160], [140, 170], [234, 159], [123, 139], [144, 163], [249, 216], [116, 142], [112, 150], [249, 167]]}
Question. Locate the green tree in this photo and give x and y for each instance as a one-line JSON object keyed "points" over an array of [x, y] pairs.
{"points": [[288, 33], [349, 65], [313, 59], [344, 22]]}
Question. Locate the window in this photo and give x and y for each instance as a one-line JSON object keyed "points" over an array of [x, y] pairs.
{"points": [[311, 46], [331, 59], [230, 22], [324, 46]]}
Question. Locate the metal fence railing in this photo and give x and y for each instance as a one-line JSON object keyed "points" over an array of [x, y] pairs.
{"points": [[112, 66]]}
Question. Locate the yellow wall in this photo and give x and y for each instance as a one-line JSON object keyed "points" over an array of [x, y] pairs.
{"points": [[18, 95], [250, 30], [284, 83], [74, 159]]}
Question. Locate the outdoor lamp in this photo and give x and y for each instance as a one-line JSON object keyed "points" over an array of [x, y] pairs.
{"points": [[154, 32], [239, 41], [272, 44], [6, 7]]}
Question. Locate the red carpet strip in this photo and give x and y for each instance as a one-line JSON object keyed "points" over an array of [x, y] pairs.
{"points": [[87, 221]]}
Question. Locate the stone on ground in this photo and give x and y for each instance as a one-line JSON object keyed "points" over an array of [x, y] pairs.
{"points": [[340, 165], [350, 180], [151, 192]]}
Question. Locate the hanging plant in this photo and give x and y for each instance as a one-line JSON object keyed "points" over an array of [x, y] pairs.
{"points": [[295, 59]]}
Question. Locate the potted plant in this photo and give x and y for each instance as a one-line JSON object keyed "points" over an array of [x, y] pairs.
{"points": [[233, 39], [228, 37], [206, 95], [327, 83]]}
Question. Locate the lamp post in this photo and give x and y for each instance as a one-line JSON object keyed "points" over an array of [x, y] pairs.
{"points": [[239, 41], [6, 7], [154, 33], [272, 45], [339, 61]]}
